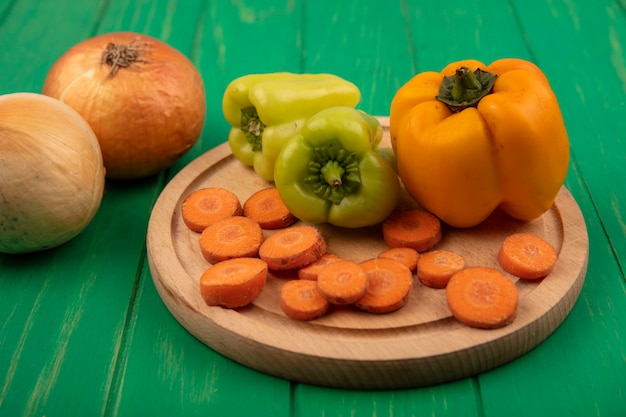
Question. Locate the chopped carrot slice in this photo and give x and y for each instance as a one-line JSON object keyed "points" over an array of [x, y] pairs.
{"points": [[267, 208], [342, 282], [232, 237], [482, 297], [207, 205], [301, 300], [435, 268], [390, 284], [233, 283], [406, 256], [527, 256], [312, 270], [293, 247], [417, 229]]}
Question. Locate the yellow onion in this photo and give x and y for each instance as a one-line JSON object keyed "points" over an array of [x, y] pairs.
{"points": [[51, 173], [144, 99]]}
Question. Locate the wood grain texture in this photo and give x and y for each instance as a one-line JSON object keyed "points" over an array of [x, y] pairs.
{"points": [[421, 344]]}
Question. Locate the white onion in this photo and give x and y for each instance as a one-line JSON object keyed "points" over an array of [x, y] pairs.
{"points": [[51, 173]]}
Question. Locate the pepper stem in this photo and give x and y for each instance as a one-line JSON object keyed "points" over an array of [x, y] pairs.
{"points": [[465, 88], [252, 127], [332, 172]]}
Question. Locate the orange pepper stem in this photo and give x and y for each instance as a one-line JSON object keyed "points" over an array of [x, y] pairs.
{"points": [[465, 88]]}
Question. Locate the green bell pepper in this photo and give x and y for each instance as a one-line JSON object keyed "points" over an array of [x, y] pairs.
{"points": [[265, 110], [331, 171]]}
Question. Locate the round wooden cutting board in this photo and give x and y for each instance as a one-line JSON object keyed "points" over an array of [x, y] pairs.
{"points": [[420, 344]]}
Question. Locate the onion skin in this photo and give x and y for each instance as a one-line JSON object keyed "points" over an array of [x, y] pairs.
{"points": [[146, 115], [51, 173]]}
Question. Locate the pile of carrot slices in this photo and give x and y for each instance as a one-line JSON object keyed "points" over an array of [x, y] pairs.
{"points": [[232, 241]]}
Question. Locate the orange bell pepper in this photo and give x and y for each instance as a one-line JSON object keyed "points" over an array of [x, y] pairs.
{"points": [[473, 138]]}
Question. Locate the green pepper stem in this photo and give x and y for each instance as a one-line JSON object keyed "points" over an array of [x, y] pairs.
{"points": [[252, 127], [332, 171], [465, 88]]}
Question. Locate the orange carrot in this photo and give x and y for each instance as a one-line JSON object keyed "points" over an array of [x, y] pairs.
{"points": [[406, 256], [207, 205], [232, 237], [312, 270], [233, 283], [527, 256], [293, 247], [482, 297], [435, 268], [267, 208], [301, 300], [417, 229], [389, 287], [342, 282]]}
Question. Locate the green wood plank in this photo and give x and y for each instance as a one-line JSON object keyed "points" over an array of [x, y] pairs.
{"points": [[539, 368], [485, 30], [5, 10], [458, 398], [353, 41], [77, 330], [31, 38], [67, 306], [589, 377], [84, 331], [566, 374], [170, 21], [588, 74], [375, 54], [72, 302], [496, 396], [190, 377], [166, 371], [235, 39]]}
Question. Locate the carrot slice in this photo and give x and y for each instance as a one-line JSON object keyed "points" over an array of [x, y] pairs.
{"points": [[301, 300], [482, 297], [527, 256], [312, 270], [417, 229], [207, 205], [390, 284], [232, 237], [406, 256], [435, 268], [233, 283], [293, 247], [267, 208], [342, 282]]}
